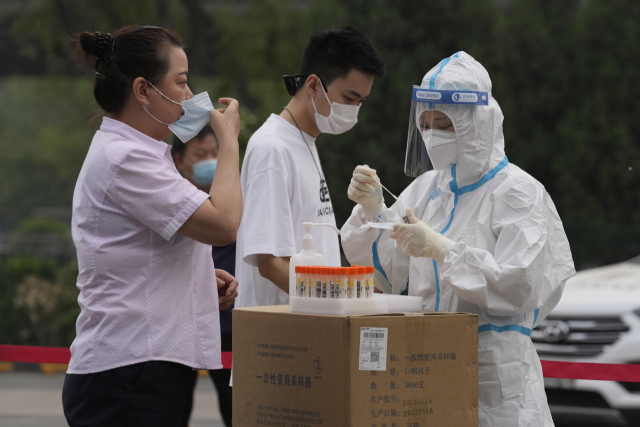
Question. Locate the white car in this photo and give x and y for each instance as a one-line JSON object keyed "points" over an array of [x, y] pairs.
{"points": [[598, 321]]}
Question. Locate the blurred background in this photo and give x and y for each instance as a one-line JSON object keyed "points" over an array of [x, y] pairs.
{"points": [[565, 74]]}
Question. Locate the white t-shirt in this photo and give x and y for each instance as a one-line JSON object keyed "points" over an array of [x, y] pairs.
{"points": [[281, 189]]}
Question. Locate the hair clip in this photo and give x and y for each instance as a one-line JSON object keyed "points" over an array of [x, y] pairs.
{"points": [[100, 76], [103, 42]]}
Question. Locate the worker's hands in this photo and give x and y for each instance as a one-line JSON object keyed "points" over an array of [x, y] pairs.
{"points": [[227, 289], [417, 239], [365, 190]]}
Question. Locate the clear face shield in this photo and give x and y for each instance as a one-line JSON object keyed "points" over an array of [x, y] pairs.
{"points": [[431, 141]]}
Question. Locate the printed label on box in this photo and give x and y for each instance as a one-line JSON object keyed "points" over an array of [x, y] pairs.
{"points": [[373, 349]]}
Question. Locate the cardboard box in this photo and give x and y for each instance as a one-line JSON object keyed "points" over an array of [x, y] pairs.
{"points": [[393, 370]]}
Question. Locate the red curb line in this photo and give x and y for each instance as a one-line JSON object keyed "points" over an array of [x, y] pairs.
{"points": [[591, 371], [61, 355], [551, 369]]}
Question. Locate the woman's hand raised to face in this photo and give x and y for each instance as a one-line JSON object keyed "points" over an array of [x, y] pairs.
{"points": [[226, 121], [216, 222]]}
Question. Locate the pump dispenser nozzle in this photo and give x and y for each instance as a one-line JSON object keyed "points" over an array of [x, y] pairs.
{"points": [[308, 225], [307, 239]]}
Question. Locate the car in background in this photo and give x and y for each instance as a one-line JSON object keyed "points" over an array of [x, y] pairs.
{"points": [[596, 321]]}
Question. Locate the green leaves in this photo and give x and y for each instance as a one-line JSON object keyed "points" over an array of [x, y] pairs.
{"points": [[564, 74], [38, 301], [44, 138]]}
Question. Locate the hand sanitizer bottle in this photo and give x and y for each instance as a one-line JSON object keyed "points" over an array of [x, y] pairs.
{"points": [[308, 256]]}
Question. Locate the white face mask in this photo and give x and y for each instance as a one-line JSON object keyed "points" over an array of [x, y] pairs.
{"points": [[341, 119], [197, 113], [442, 147]]}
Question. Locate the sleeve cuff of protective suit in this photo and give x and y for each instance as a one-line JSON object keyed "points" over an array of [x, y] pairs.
{"points": [[444, 247], [369, 214], [454, 254]]}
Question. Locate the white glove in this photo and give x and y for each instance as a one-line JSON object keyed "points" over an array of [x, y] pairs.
{"points": [[365, 190], [417, 239]]}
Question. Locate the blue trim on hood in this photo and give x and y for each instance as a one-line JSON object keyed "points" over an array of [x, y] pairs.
{"points": [[432, 80]]}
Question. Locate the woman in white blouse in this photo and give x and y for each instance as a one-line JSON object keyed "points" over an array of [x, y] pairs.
{"points": [[149, 293]]}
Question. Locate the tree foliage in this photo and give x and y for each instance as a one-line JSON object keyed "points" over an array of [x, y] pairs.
{"points": [[564, 74], [38, 302]]}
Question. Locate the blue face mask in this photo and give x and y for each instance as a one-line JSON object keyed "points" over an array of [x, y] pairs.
{"points": [[197, 113], [204, 171]]}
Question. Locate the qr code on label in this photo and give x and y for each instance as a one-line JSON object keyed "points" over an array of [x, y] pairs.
{"points": [[373, 349]]}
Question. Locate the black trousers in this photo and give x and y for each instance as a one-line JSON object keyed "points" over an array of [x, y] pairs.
{"points": [[144, 394], [220, 378]]}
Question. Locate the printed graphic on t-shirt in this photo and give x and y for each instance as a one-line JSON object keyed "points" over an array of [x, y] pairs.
{"points": [[324, 192], [324, 198], [325, 211]]}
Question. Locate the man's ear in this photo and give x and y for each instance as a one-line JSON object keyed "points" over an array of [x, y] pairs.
{"points": [[312, 85], [140, 88]]}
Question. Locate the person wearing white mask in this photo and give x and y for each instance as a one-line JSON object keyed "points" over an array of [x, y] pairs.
{"points": [[283, 184], [149, 292], [483, 236]]}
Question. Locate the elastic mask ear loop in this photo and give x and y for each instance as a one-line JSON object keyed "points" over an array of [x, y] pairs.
{"points": [[328, 100], [153, 117], [166, 97]]}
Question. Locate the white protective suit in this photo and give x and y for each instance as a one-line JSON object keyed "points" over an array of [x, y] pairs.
{"points": [[510, 260]]}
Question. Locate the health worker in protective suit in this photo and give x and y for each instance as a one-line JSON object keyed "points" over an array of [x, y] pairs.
{"points": [[483, 236]]}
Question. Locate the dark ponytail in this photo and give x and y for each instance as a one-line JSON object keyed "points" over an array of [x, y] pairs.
{"points": [[131, 52]]}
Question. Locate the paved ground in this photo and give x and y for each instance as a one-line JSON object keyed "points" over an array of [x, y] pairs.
{"points": [[33, 399]]}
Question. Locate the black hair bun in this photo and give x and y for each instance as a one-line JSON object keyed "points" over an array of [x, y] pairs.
{"points": [[95, 44], [137, 52]]}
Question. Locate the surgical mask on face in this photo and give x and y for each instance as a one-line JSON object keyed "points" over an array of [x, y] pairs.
{"points": [[442, 147], [197, 113], [341, 119], [203, 171]]}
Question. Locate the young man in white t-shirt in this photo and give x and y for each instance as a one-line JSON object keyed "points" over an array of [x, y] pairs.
{"points": [[283, 184]]}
